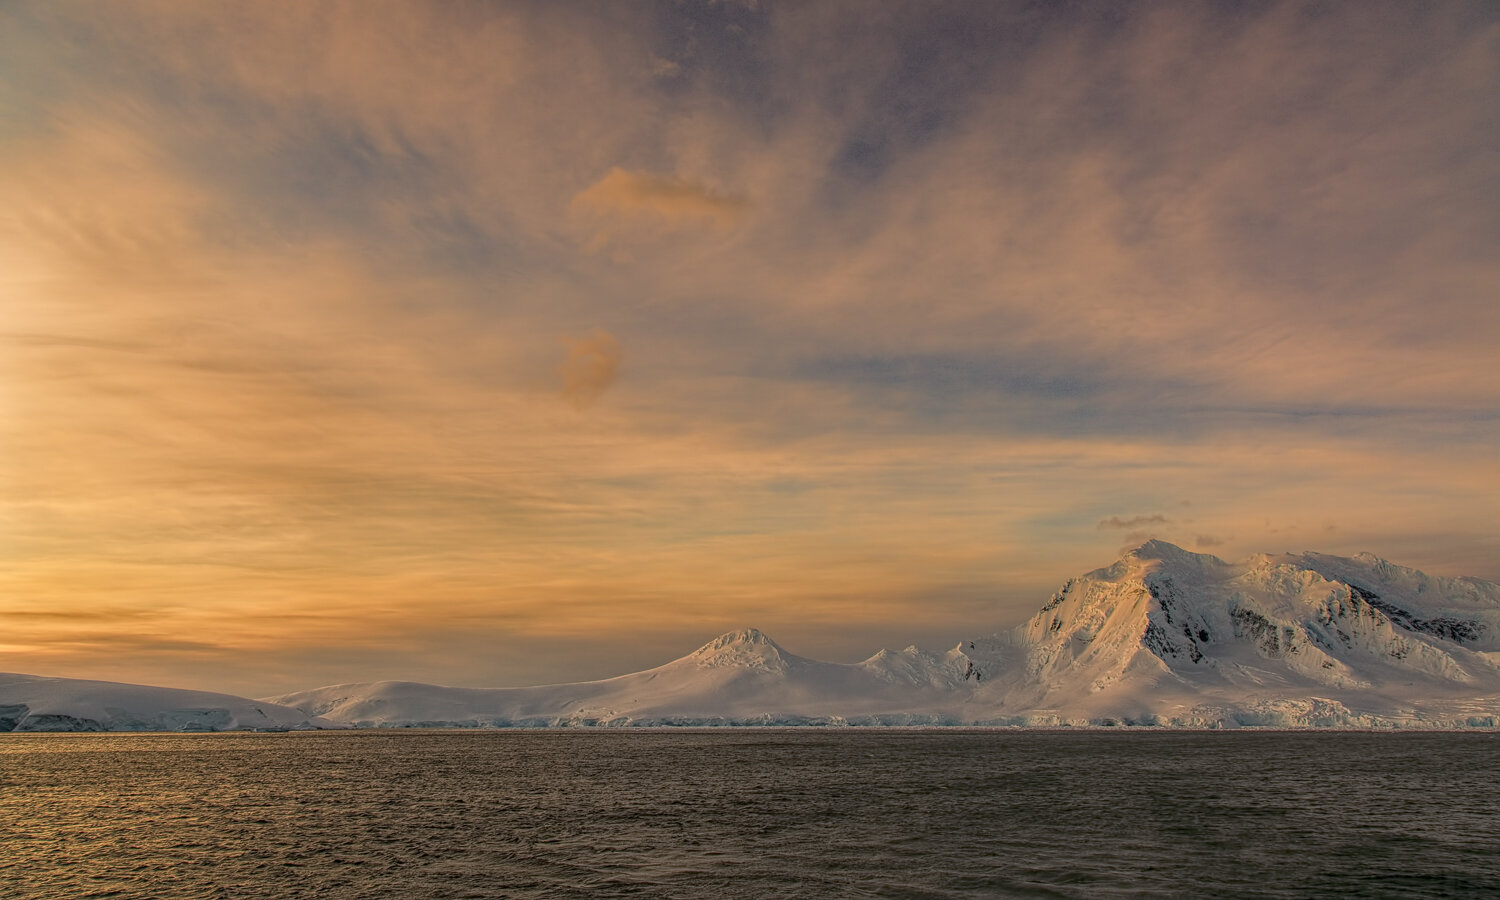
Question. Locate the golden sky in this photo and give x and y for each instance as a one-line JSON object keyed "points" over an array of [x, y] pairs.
{"points": [[510, 343]]}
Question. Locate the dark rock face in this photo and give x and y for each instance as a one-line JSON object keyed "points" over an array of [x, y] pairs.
{"points": [[1457, 630], [1157, 638], [1269, 639], [1058, 597]]}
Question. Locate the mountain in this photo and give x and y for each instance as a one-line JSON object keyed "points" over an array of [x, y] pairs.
{"points": [[1172, 637], [34, 703], [1163, 637], [742, 677]]}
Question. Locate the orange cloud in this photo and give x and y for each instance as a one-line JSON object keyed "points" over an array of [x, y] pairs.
{"points": [[623, 200], [590, 368]]}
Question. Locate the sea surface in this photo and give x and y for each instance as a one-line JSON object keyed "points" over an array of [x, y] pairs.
{"points": [[749, 813]]}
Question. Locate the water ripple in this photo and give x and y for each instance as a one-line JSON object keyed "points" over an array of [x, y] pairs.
{"points": [[730, 814]]}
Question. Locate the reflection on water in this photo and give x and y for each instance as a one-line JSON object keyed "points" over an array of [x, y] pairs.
{"points": [[748, 813]]}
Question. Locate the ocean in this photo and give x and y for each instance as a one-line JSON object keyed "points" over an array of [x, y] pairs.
{"points": [[735, 813]]}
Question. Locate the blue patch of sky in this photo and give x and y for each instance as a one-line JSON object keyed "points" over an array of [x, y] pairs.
{"points": [[454, 242], [326, 174], [946, 60], [718, 46], [971, 394], [1016, 394], [934, 375]]}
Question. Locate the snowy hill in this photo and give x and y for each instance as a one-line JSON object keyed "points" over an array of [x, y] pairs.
{"points": [[33, 703], [1163, 636]]}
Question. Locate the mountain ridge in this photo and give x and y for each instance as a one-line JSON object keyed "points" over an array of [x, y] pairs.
{"points": [[1162, 636]]}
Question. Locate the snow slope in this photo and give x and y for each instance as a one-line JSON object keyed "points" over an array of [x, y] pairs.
{"points": [[1163, 636], [34, 703]]}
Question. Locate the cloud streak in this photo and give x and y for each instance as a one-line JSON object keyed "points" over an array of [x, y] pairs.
{"points": [[1134, 522], [623, 200]]}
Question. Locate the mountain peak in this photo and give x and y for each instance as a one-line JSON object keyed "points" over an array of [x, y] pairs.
{"points": [[748, 648], [1169, 556], [1152, 556], [743, 636], [1163, 550]]}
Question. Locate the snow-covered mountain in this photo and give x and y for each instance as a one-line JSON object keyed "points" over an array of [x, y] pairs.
{"points": [[34, 703], [742, 677], [1163, 636], [1169, 636]]}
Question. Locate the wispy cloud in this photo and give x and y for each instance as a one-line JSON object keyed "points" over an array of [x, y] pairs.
{"points": [[915, 301]]}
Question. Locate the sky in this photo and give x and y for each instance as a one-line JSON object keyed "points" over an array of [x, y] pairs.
{"points": [[494, 344]]}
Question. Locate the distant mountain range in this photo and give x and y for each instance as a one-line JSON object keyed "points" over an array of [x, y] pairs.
{"points": [[1162, 637]]}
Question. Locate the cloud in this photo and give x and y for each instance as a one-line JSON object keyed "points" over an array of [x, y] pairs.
{"points": [[664, 68], [1115, 522], [590, 367], [269, 280], [623, 200]]}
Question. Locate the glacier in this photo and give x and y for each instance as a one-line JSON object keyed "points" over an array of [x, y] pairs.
{"points": [[30, 703]]}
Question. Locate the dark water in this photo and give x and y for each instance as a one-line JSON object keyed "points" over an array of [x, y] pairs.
{"points": [[749, 814]]}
